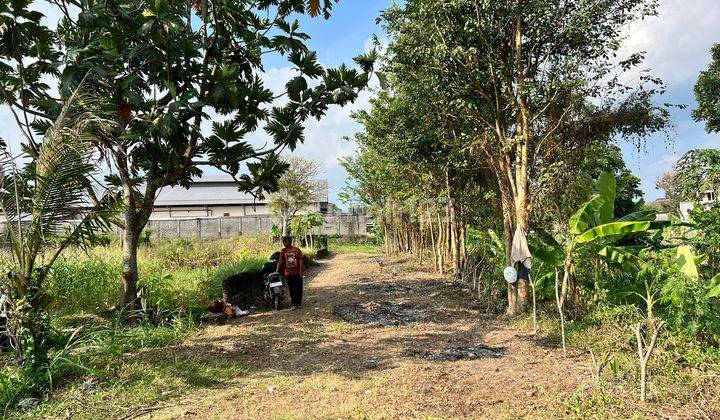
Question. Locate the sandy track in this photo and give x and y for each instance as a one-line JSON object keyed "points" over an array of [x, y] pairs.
{"points": [[314, 364]]}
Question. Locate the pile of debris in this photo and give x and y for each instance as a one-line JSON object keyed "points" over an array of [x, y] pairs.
{"points": [[384, 288], [221, 311], [382, 314], [404, 287], [466, 353]]}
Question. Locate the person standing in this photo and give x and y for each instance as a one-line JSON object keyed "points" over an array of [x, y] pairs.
{"points": [[290, 265]]}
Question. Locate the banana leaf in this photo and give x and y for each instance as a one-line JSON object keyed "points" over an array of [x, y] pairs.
{"points": [[581, 220], [612, 229], [686, 261], [714, 291], [545, 248], [623, 255], [606, 186]]}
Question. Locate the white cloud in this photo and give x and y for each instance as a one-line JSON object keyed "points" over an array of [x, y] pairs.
{"points": [[678, 40]]}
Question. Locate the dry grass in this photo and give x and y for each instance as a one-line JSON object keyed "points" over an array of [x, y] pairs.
{"points": [[311, 364], [314, 364]]}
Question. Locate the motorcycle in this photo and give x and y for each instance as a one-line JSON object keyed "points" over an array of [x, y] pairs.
{"points": [[273, 290]]}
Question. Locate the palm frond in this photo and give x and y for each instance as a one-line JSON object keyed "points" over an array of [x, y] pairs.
{"points": [[63, 168], [45, 203]]}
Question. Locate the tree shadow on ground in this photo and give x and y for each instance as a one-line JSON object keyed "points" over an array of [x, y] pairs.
{"points": [[318, 339], [304, 342]]}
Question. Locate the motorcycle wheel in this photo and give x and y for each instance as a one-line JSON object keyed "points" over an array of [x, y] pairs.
{"points": [[277, 302]]}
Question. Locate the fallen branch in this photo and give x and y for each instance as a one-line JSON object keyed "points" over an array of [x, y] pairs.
{"points": [[144, 410]]}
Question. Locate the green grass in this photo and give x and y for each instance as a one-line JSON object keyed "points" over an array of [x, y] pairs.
{"points": [[174, 274], [102, 352], [137, 369], [130, 365], [362, 246]]}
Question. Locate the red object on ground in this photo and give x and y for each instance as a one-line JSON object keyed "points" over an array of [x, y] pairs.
{"points": [[216, 307]]}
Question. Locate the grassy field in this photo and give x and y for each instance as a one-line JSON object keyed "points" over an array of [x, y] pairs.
{"points": [[94, 348], [319, 363], [168, 365], [683, 372]]}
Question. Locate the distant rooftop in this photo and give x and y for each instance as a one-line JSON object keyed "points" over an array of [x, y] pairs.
{"points": [[216, 190]]}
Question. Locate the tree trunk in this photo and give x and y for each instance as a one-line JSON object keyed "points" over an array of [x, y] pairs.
{"points": [[387, 238], [285, 226], [508, 235], [441, 239], [522, 284], [567, 266], [131, 236], [432, 241], [521, 155]]}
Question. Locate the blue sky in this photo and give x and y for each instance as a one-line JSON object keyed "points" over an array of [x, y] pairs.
{"points": [[677, 43]]}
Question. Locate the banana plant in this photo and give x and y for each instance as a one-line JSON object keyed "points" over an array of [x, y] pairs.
{"points": [[593, 230], [47, 210]]}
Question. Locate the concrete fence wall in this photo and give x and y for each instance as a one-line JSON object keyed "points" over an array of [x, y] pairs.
{"points": [[222, 227]]}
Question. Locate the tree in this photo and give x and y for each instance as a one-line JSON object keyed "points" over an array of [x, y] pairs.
{"points": [[297, 188], [572, 185], [526, 85], [415, 178], [28, 56], [671, 202], [302, 226], [707, 239], [168, 68], [695, 172], [707, 92], [46, 212]]}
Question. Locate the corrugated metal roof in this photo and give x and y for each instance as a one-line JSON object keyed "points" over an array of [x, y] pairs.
{"points": [[215, 190]]}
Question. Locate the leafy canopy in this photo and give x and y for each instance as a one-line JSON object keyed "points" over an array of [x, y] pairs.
{"points": [[707, 92]]}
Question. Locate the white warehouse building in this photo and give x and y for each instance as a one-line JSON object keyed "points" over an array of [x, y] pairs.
{"points": [[218, 196]]}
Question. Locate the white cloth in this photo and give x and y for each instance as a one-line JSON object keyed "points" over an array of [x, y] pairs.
{"points": [[520, 250]]}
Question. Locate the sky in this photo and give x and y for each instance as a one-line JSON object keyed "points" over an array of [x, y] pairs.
{"points": [[677, 43]]}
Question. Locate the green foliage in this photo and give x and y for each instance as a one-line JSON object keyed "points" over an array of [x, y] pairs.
{"points": [[695, 172], [45, 210], [162, 72], [592, 234], [706, 240], [573, 185], [180, 278], [707, 90], [607, 187], [178, 275], [582, 219], [302, 225], [368, 245], [97, 353], [297, 188], [612, 230], [486, 245]]}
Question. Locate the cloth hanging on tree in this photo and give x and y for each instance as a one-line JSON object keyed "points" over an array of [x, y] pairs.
{"points": [[519, 251]]}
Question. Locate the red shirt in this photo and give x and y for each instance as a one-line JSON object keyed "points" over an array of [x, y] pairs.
{"points": [[290, 261]]}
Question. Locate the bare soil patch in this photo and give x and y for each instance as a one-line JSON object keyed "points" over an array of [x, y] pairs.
{"points": [[382, 314], [379, 338]]}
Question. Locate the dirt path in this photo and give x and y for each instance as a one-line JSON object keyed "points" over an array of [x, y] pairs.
{"points": [[380, 339]]}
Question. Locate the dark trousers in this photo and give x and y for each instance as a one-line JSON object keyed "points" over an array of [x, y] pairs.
{"points": [[295, 284]]}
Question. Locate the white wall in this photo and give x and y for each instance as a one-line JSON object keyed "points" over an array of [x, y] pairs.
{"points": [[220, 211], [213, 211]]}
